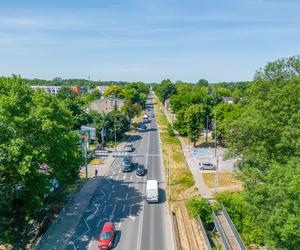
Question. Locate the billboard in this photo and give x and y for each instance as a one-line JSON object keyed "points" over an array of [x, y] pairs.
{"points": [[92, 131]]}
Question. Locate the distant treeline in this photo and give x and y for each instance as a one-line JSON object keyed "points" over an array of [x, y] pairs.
{"points": [[232, 86], [69, 82]]}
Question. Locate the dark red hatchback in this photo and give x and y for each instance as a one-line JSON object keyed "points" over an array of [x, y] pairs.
{"points": [[107, 235]]}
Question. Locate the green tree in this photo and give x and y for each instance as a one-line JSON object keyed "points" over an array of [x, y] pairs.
{"points": [[115, 90], [131, 109], [194, 117], [93, 96], [200, 207], [165, 90], [203, 82], [66, 93], [37, 144]]}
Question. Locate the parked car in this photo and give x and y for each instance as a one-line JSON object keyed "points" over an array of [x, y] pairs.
{"points": [[129, 147], [126, 164], [140, 171], [207, 166], [107, 235]]}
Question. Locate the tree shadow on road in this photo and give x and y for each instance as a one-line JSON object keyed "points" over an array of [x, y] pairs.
{"points": [[113, 200]]}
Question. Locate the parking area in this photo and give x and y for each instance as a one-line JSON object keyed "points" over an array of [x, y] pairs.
{"points": [[194, 156]]}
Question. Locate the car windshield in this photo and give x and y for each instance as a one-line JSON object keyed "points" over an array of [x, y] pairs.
{"points": [[140, 168], [129, 145], [105, 236]]}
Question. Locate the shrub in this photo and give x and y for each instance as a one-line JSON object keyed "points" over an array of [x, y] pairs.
{"points": [[200, 207], [170, 130]]}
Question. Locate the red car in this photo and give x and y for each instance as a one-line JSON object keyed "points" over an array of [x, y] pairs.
{"points": [[107, 236]]}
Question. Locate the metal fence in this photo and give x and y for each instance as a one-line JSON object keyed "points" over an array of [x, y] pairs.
{"points": [[203, 231], [221, 232], [235, 232]]}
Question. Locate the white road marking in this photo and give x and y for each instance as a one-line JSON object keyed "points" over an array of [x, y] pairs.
{"points": [[113, 186], [131, 178], [124, 177], [108, 198], [123, 209], [111, 217], [126, 196], [104, 209], [99, 222], [139, 242]]}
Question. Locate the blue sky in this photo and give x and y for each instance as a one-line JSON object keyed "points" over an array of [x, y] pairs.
{"points": [[146, 40]]}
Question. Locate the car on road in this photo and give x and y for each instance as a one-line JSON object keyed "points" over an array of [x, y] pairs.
{"points": [[129, 147], [107, 235], [126, 164], [140, 171], [207, 166]]}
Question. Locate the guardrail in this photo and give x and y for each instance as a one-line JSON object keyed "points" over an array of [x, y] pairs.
{"points": [[221, 232], [235, 232], [202, 229], [176, 232]]}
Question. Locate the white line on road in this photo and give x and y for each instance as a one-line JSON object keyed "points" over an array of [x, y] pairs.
{"points": [[123, 209], [108, 198], [139, 241], [126, 196], [99, 222], [111, 217], [104, 209], [131, 178]]}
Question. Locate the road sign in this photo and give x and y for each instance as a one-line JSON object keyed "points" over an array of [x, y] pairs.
{"points": [[101, 153], [92, 131]]}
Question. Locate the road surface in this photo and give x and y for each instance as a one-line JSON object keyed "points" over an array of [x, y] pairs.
{"points": [[120, 197]]}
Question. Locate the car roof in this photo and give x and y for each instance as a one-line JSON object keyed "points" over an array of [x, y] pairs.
{"points": [[107, 227], [129, 144], [205, 162]]}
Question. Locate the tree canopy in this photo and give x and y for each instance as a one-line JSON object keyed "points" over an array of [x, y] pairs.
{"points": [[37, 144]]}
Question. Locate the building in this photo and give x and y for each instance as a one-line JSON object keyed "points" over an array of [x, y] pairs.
{"points": [[228, 99], [48, 89], [76, 89], [106, 105], [102, 88], [54, 89]]}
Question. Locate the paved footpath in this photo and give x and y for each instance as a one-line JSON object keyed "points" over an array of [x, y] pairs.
{"points": [[59, 233]]}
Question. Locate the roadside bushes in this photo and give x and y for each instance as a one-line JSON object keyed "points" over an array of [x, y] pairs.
{"points": [[200, 207], [242, 217], [170, 130]]}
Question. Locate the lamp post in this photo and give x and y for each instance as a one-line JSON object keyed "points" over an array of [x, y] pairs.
{"points": [[115, 135], [217, 175]]}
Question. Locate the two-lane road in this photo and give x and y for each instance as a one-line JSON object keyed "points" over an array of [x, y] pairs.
{"points": [[120, 197]]}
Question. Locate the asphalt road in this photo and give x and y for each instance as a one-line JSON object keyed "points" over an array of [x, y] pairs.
{"points": [[120, 197]]}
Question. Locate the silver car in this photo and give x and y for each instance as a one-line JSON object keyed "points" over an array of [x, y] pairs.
{"points": [[207, 166]]}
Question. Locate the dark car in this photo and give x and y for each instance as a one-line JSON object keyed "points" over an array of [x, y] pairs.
{"points": [[207, 166], [140, 171], [126, 164], [107, 235]]}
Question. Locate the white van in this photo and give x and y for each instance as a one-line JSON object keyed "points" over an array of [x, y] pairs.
{"points": [[152, 191]]}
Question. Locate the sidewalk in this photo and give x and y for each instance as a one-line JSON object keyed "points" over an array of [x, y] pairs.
{"points": [[204, 190], [61, 230]]}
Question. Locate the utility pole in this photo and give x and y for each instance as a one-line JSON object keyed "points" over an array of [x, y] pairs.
{"points": [[217, 175], [216, 157], [206, 128], [115, 135], [215, 127]]}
